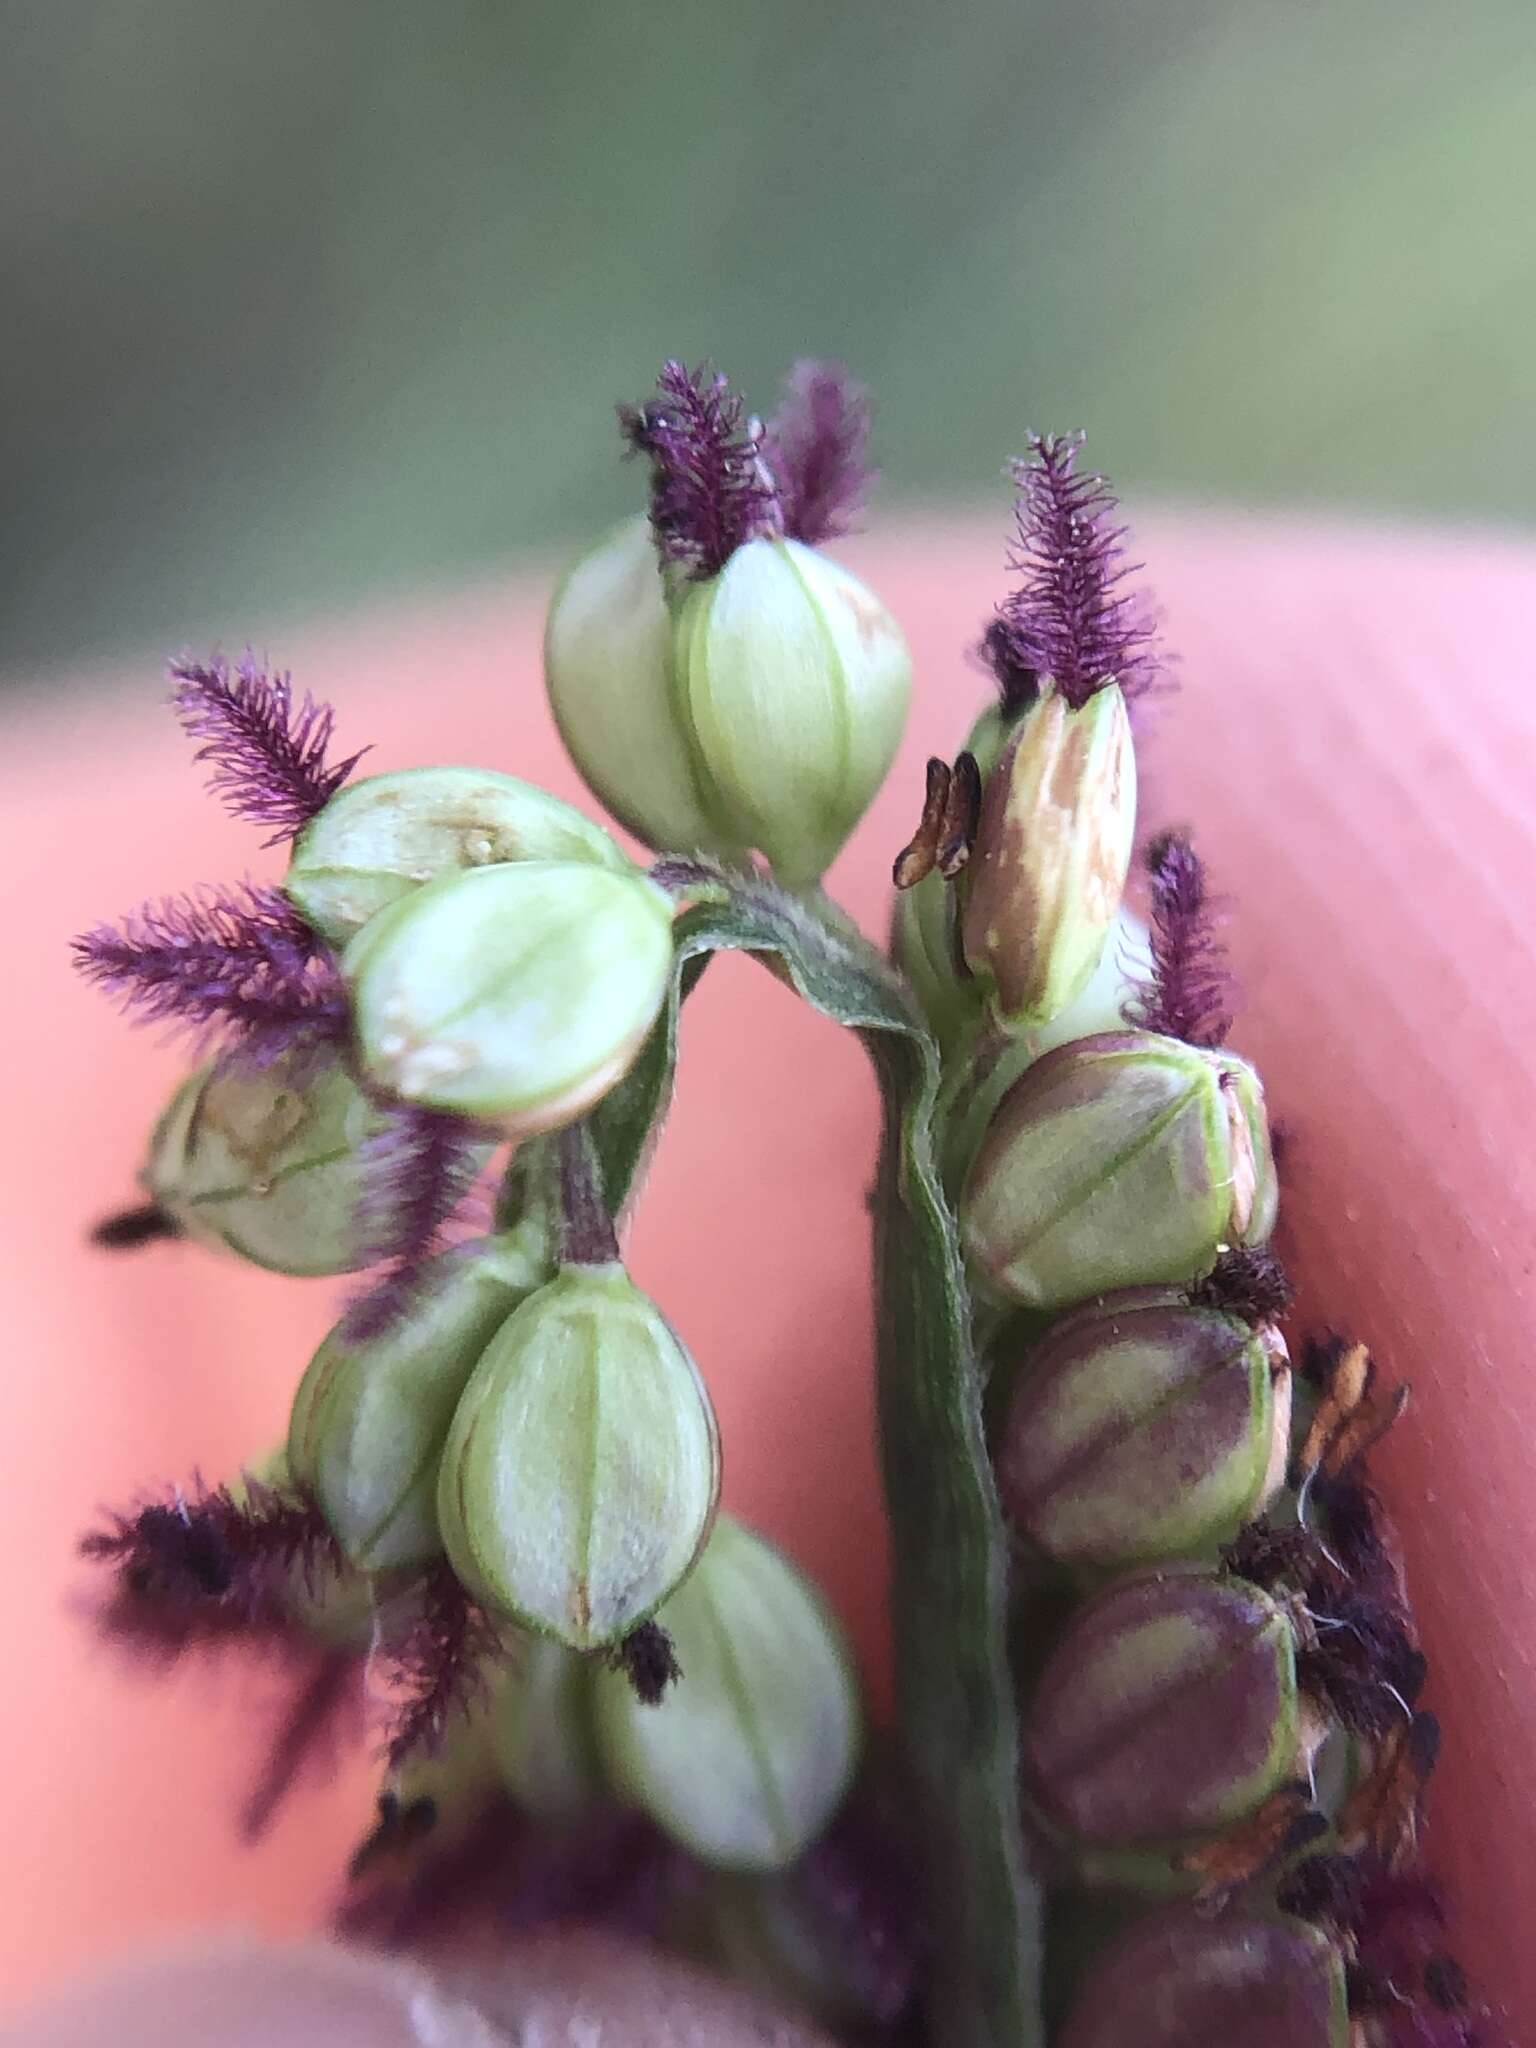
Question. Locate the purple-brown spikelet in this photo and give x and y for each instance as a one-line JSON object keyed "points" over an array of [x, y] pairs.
{"points": [[1189, 992], [267, 749], [417, 1171], [816, 446], [435, 1664], [710, 486], [227, 964], [1072, 615]]}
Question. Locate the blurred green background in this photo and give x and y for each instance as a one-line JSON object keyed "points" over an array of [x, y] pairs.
{"points": [[308, 300]]}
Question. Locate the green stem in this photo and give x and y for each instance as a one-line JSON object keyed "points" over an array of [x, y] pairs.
{"points": [[586, 1228], [950, 1607], [955, 1701]]}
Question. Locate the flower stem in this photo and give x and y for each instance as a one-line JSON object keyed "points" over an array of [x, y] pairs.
{"points": [[587, 1236], [957, 1720]]}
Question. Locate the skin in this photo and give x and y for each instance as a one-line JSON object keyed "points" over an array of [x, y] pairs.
{"points": [[1353, 748], [563, 1988]]}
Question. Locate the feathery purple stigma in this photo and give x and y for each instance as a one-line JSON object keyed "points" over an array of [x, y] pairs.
{"points": [[437, 1665], [267, 750], [816, 447], [1401, 1978], [125, 1230], [1189, 992], [1071, 616], [201, 1572], [416, 1171], [202, 1565], [710, 487], [1272, 1557], [306, 1736], [227, 961], [1247, 1281], [648, 1659], [1362, 1661], [1356, 1529]]}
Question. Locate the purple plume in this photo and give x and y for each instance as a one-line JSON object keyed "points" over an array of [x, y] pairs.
{"points": [[1362, 1659], [266, 748], [710, 487], [436, 1664], [1071, 616], [1247, 1280], [307, 1736], [817, 447], [199, 1571], [125, 1230], [200, 1565], [1189, 992], [647, 1656], [228, 962], [417, 1170]]}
